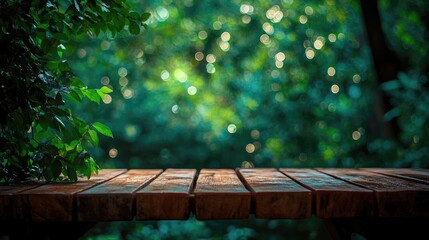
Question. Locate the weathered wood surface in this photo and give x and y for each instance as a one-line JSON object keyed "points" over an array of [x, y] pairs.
{"points": [[219, 194], [334, 198], [395, 197], [6, 194], [113, 200], [417, 175], [54, 202], [167, 197], [275, 195]]}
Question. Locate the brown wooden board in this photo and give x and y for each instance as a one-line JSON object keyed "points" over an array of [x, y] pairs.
{"points": [[54, 202], [334, 198], [395, 197], [6, 193], [417, 175], [275, 195], [113, 200], [219, 194], [167, 197]]}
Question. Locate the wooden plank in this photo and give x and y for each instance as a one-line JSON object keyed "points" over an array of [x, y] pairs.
{"points": [[417, 175], [6, 194], [219, 194], [113, 200], [167, 197], [54, 202], [275, 195], [333, 198], [395, 197]]}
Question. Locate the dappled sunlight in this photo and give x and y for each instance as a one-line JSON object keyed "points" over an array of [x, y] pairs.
{"points": [[211, 85], [279, 84]]}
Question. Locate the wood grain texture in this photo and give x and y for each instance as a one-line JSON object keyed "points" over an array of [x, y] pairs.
{"points": [[333, 198], [275, 195], [417, 175], [6, 197], [219, 194], [167, 197], [113, 200], [395, 197], [54, 202]]}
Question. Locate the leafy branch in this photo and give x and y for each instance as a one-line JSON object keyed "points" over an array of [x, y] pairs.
{"points": [[40, 137]]}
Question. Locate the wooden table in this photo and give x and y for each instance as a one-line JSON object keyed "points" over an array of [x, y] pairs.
{"points": [[340, 196]]}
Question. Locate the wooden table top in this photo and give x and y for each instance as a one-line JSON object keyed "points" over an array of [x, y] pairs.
{"points": [[268, 193]]}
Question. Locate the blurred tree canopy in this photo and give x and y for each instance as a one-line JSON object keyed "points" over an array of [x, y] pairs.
{"points": [[269, 84]]}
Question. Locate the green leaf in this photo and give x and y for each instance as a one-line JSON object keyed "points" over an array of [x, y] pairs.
{"points": [[134, 28], [119, 24], [73, 95], [56, 167], [76, 82], [60, 49], [58, 99], [105, 89], [92, 95], [391, 85], [145, 16], [103, 129], [93, 137], [59, 112], [76, 5], [59, 124], [72, 145], [100, 93], [71, 174], [134, 15]]}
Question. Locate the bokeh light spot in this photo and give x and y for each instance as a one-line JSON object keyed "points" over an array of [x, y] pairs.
{"points": [[210, 68], [211, 58], [128, 93], [105, 80], [202, 35], [280, 56], [335, 89], [332, 37], [123, 81], [309, 53], [225, 36], [246, 19], [356, 135], [113, 153], [199, 56], [268, 28], [356, 78], [122, 72], [331, 71], [255, 134], [175, 109], [265, 39], [107, 99], [250, 148], [232, 128], [165, 75], [303, 19], [309, 10], [192, 90]]}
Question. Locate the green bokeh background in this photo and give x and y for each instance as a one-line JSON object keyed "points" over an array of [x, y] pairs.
{"points": [[225, 84]]}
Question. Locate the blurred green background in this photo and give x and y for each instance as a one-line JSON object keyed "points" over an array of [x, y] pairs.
{"points": [[225, 84]]}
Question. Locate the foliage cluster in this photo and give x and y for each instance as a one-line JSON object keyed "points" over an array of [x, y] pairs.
{"points": [[40, 136]]}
